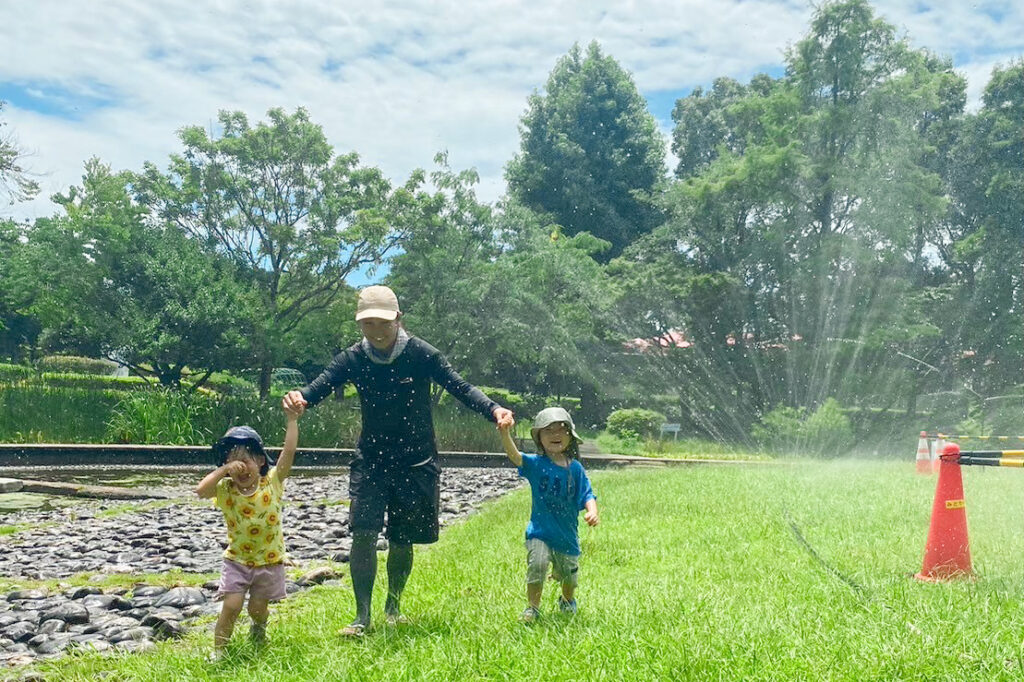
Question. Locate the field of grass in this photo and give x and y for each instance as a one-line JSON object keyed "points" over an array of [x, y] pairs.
{"points": [[695, 573]]}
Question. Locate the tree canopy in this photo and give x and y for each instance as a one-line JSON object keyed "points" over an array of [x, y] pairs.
{"points": [[590, 151]]}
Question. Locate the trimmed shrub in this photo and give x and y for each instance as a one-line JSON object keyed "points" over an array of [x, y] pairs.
{"points": [[828, 431], [633, 423], [73, 364], [780, 428], [94, 381], [825, 432], [10, 374]]}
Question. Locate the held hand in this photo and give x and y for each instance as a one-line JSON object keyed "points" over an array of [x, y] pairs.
{"points": [[503, 416], [293, 410], [293, 400], [591, 518], [235, 468]]}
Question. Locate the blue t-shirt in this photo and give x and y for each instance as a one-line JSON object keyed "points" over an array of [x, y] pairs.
{"points": [[556, 506]]}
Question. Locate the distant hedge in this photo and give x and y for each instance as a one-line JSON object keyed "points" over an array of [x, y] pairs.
{"points": [[633, 422], [94, 381], [73, 364], [14, 373]]}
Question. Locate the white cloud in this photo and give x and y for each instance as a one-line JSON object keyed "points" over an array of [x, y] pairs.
{"points": [[408, 78]]}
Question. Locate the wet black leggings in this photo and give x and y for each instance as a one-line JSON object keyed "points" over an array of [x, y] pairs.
{"points": [[363, 566]]}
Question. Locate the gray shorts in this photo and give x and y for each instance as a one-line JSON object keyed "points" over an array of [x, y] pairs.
{"points": [[564, 568]]}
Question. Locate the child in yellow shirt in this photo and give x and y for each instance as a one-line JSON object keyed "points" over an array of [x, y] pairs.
{"points": [[248, 488]]}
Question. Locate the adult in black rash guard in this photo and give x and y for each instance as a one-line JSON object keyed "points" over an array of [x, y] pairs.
{"points": [[395, 468]]}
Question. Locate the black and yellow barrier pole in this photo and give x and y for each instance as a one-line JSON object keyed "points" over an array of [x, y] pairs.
{"points": [[948, 436], [991, 458]]}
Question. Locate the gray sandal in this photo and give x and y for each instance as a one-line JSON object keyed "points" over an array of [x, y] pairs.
{"points": [[529, 615]]}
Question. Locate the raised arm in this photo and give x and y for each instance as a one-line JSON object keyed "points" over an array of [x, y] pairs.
{"points": [[510, 447], [291, 441]]}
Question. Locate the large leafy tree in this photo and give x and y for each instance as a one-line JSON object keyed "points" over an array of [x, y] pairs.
{"points": [[985, 239], [109, 282], [590, 151], [803, 211], [276, 199], [508, 298]]}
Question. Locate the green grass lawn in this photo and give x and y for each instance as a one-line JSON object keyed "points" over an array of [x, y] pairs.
{"points": [[695, 573]]}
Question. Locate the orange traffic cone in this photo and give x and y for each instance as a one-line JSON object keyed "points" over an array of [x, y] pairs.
{"points": [[924, 456], [947, 554], [940, 447]]}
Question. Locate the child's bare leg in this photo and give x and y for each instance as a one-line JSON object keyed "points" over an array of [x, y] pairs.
{"points": [[568, 590], [533, 594], [538, 558], [229, 611], [259, 611]]}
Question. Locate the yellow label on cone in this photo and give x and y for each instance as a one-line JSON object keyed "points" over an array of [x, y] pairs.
{"points": [[955, 504]]}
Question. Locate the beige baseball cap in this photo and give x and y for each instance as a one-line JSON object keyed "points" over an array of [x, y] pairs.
{"points": [[377, 301]]}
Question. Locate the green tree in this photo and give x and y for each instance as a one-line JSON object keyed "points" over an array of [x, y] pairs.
{"points": [[15, 179], [19, 329], [985, 244], [590, 151], [804, 209], [146, 295], [274, 198], [510, 300]]}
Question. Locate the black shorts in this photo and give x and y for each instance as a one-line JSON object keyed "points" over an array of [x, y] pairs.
{"points": [[411, 496]]}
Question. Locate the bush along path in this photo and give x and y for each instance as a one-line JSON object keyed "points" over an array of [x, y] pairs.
{"points": [[183, 535]]}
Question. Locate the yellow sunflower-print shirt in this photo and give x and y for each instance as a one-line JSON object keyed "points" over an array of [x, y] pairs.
{"points": [[253, 521]]}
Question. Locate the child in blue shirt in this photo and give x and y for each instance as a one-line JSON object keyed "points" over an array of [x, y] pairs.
{"points": [[560, 490]]}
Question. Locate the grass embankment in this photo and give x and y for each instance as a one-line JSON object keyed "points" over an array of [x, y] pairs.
{"points": [[683, 448], [55, 414], [694, 574]]}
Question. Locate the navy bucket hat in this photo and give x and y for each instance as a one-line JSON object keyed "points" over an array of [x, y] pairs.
{"points": [[242, 435]]}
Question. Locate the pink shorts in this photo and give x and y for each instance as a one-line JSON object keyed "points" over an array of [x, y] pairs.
{"points": [[261, 582]]}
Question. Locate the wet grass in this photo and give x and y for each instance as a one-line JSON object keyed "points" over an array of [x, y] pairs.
{"points": [[694, 574]]}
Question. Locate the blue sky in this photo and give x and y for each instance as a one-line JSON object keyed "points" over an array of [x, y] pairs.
{"points": [[395, 81]]}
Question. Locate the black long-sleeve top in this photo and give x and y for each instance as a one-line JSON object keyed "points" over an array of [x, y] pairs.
{"points": [[395, 399]]}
